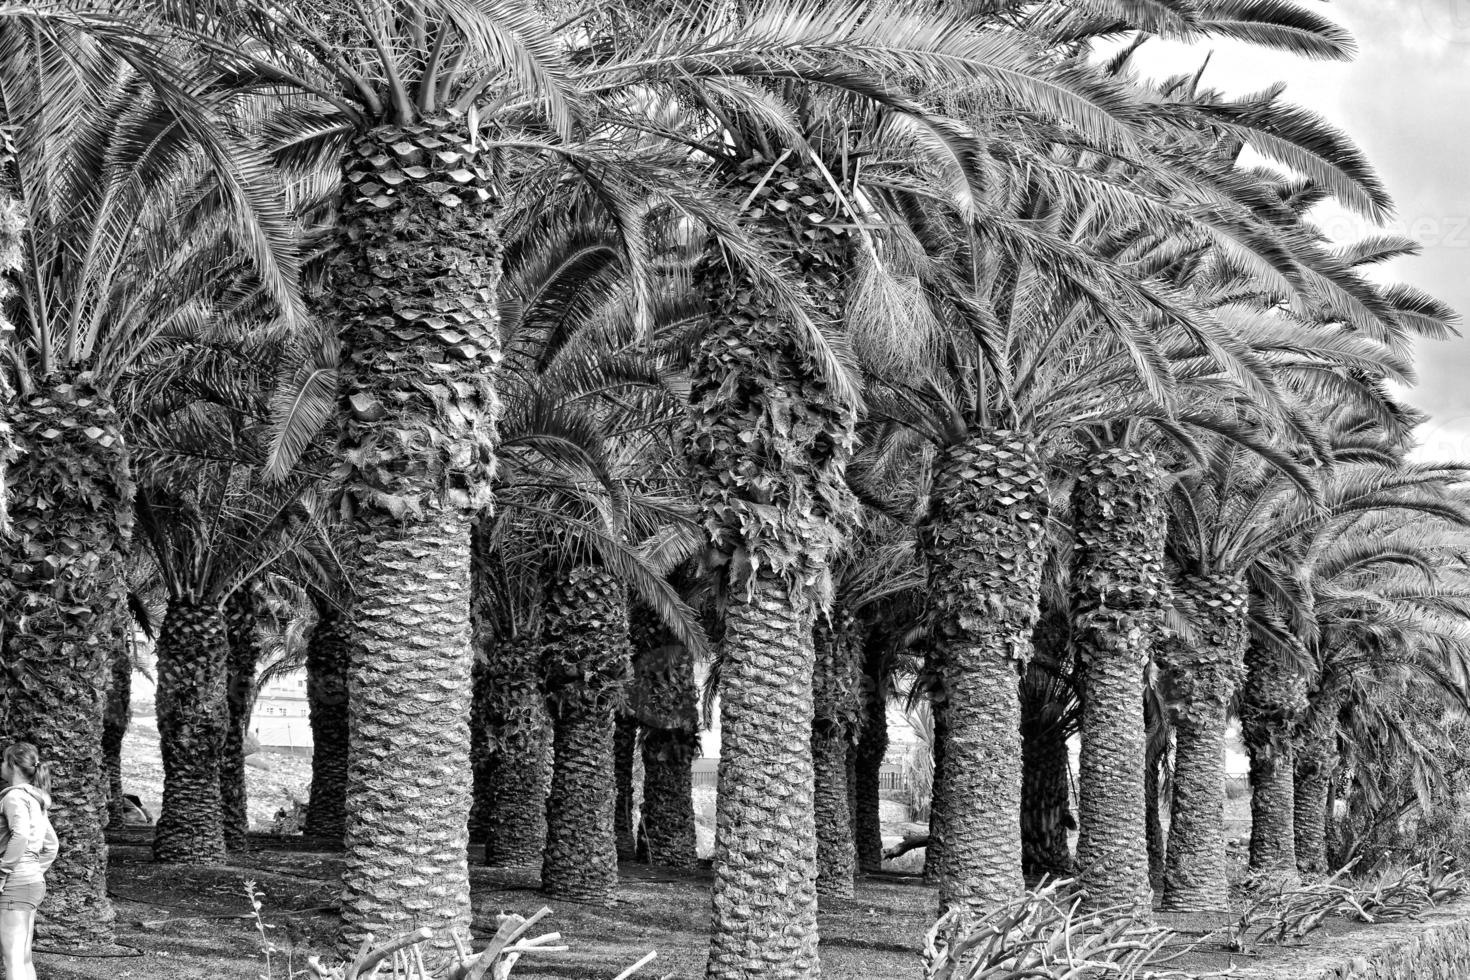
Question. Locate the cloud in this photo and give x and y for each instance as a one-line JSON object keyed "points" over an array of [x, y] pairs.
{"points": [[1406, 101]]}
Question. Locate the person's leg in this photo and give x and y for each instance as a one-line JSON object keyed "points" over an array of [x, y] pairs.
{"points": [[30, 943], [15, 934]]}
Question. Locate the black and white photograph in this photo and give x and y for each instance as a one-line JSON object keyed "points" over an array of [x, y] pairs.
{"points": [[734, 490]]}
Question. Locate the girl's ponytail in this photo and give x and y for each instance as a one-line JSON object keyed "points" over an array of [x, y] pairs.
{"points": [[41, 778]]}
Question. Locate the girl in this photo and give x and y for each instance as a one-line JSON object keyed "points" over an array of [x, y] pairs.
{"points": [[27, 848]]}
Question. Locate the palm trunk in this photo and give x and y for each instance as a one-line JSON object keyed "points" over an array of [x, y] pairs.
{"points": [[872, 748], [1273, 810], [850, 761], [61, 587], [768, 439], [511, 734], [939, 714], [1202, 679], [408, 689], [625, 743], [666, 705], [1118, 592], [326, 701], [1153, 773], [192, 657], [1272, 699], [668, 823], [244, 658], [1316, 760], [1048, 717], [414, 284], [516, 770], [1045, 793], [984, 541], [765, 899], [586, 662], [836, 704], [116, 716], [580, 863]]}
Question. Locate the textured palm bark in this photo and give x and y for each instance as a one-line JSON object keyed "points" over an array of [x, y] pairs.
{"points": [[192, 655], [1194, 867], [408, 717], [244, 657], [1200, 680], [1118, 593], [1273, 811], [413, 283], [1045, 794], [837, 705], [668, 826], [625, 743], [1272, 699], [516, 772], [116, 716], [939, 713], [1315, 761], [871, 749], [983, 538], [515, 823], [586, 662], [765, 896], [665, 702], [850, 758], [326, 702], [836, 854], [581, 859], [61, 589], [1153, 820]]}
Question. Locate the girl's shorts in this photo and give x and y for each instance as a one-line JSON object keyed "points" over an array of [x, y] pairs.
{"points": [[21, 896]]}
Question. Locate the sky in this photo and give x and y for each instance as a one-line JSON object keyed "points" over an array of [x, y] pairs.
{"points": [[1405, 99]]}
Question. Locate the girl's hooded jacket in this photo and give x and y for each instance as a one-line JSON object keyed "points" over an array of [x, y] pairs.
{"points": [[27, 841]]}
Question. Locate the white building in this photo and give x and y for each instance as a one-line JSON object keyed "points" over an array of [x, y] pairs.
{"points": [[281, 719]]}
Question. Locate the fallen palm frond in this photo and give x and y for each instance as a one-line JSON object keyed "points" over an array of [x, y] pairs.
{"points": [[1288, 915], [1044, 933], [404, 956]]}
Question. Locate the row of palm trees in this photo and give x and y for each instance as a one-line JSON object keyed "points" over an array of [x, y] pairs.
{"points": [[529, 352]]}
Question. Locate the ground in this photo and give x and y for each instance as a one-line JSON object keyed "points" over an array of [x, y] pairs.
{"points": [[187, 923], [180, 923], [191, 923]]}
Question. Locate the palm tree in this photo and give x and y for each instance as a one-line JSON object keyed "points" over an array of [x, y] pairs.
{"points": [[116, 717], [1383, 589], [210, 527], [1051, 713], [393, 107], [107, 269], [241, 612], [835, 700], [326, 696], [665, 703], [586, 663], [1237, 528]]}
